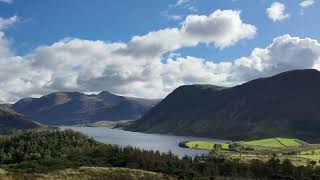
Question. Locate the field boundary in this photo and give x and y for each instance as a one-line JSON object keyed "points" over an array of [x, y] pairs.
{"points": [[281, 142]]}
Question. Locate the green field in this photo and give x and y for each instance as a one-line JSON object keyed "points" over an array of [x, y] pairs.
{"points": [[206, 145], [274, 143], [271, 142], [299, 152]]}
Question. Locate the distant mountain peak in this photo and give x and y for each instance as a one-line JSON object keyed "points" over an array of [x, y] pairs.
{"points": [[107, 94], [64, 108]]}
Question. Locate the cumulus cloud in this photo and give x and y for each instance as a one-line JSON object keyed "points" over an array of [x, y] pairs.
{"points": [[283, 54], [276, 12], [133, 68], [221, 28], [306, 3], [93, 66]]}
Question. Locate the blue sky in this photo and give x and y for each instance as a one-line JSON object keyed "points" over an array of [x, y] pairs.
{"points": [[147, 48], [45, 22]]}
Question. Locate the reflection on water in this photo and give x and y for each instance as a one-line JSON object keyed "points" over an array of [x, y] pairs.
{"points": [[162, 143]]}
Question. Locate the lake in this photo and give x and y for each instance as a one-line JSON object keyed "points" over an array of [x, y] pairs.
{"points": [[162, 143]]}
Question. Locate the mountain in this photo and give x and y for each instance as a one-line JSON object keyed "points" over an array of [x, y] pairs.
{"points": [[285, 105], [66, 108], [11, 121]]}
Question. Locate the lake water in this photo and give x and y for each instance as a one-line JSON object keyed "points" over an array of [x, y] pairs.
{"points": [[162, 143]]}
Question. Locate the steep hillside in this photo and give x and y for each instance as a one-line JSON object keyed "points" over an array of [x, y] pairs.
{"points": [[65, 108], [285, 105], [11, 121]]}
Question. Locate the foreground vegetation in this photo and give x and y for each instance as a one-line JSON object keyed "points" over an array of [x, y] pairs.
{"points": [[54, 153], [85, 173]]}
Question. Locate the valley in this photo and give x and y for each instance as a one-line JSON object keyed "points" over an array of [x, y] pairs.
{"points": [[156, 142], [159, 90], [108, 124], [197, 131], [299, 152]]}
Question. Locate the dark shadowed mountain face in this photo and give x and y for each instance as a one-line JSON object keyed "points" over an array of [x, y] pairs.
{"points": [[287, 104], [65, 108], [11, 121]]}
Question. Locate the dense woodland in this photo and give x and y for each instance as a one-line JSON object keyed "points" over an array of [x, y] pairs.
{"points": [[44, 151]]}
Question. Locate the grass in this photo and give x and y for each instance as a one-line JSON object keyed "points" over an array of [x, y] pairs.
{"points": [[271, 142], [274, 143], [206, 145], [311, 152], [299, 152]]}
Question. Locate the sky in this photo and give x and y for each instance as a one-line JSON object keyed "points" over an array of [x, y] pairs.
{"points": [[147, 48]]}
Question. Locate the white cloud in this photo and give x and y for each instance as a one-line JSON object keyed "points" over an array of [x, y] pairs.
{"points": [[133, 68], [283, 54], [5, 23], [138, 67], [4, 43], [306, 3], [221, 28], [276, 12], [92, 66], [7, 1]]}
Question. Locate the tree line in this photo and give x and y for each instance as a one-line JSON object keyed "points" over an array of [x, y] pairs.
{"points": [[43, 151]]}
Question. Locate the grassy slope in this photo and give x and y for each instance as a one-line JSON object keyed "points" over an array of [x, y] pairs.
{"points": [[85, 173], [274, 143], [205, 145]]}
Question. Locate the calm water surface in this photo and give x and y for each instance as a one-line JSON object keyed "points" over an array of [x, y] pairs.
{"points": [[162, 143]]}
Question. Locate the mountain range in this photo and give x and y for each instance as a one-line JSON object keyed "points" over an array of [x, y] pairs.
{"points": [[69, 108], [285, 105]]}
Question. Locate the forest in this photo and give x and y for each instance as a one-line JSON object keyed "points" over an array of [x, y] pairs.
{"points": [[41, 151]]}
